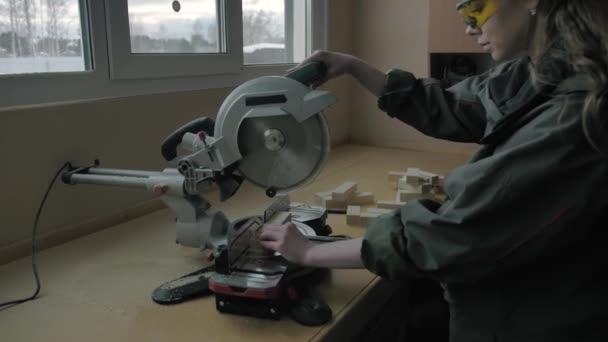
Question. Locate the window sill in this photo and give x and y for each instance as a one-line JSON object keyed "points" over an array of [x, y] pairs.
{"points": [[64, 89]]}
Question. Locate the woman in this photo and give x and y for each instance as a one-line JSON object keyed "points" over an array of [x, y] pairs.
{"points": [[518, 247]]}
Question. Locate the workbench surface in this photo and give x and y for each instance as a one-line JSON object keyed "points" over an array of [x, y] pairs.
{"points": [[98, 287]]}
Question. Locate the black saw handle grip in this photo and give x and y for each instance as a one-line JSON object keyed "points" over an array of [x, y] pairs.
{"points": [[169, 146], [309, 73]]}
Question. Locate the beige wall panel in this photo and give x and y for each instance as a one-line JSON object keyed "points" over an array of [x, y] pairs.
{"points": [[391, 34]]}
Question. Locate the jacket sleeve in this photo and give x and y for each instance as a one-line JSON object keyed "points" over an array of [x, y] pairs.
{"points": [[454, 113], [530, 199]]}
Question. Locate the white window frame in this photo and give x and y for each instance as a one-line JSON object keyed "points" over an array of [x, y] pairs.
{"points": [[35, 90], [126, 65]]}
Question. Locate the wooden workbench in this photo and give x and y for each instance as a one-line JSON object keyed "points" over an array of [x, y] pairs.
{"points": [[97, 288]]}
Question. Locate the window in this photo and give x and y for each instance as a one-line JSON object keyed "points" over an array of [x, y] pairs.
{"points": [[164, 27], [42, 37], [274, 31], [116, 48], [155, 38]]}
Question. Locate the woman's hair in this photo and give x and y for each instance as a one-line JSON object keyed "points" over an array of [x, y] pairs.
{"points": [[576, 36]]}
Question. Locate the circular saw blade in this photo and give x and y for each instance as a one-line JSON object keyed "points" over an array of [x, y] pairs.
{"points": [[292, 162]]}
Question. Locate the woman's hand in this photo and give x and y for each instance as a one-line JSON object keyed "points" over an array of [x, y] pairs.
{"points": [[287, 240], [295, 247], [337, 64]]}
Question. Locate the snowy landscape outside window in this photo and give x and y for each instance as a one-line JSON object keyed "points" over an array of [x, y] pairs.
{"points": [[171, 27], [42, 36], [274, 31]]}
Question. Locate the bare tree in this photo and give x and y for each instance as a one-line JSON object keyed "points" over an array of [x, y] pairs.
{"points": [[197, 27], [3, 9], [12, 13], [56, 10], [213, 35], [29, 11], [258, 27]]}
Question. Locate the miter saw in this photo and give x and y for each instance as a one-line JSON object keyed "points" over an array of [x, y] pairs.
{"points": [[270, 131]]}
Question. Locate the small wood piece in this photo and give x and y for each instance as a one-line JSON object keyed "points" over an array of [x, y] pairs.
{"points": [[320, 196], [405, 186], [395, 176], [353, 214], [440, 181], [331, 204], [412, 171], [344, 191], [279, 218], [391, 205], [413, 180], [404, 195], [426, 188], [362, 198], [380, 211]]}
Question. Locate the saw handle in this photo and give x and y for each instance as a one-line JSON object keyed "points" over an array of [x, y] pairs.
{"points": [[169, 146], [309, 73]]}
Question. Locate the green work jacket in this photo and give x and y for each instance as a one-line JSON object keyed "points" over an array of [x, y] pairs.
{"points": [[520, 244]]}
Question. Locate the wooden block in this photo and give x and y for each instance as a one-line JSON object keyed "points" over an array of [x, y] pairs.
{"points": [[330, 204], [344, 191], [380, 211], [366, 218], [362, 198], [413, 180], [320, 196], [391, 205], [412, 171], [395, 176], [426, 174], [404, 195], [405, 186], [353, 214], [426, 188], [279, 218]]}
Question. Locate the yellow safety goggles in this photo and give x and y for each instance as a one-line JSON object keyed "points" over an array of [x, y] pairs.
{"points": [[476, 12]]}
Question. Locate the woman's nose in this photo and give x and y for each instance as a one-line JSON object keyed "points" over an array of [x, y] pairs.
{"points": [[472, 31]]}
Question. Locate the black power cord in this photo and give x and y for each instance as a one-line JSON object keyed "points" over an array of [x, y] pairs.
{"points": [[34, 234]]}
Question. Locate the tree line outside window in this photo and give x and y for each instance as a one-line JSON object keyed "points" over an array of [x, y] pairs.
{"points": [[52, 28]]}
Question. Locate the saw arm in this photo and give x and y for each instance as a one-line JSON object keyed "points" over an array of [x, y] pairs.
{"points": [[197, 223]]}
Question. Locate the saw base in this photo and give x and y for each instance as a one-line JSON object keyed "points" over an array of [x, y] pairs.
{"points": [[260, 308]]}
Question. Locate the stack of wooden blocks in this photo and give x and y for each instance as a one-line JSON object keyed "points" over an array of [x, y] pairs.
{"points": [[415, 184], [344, 195], [356, 217], [412, 184]]}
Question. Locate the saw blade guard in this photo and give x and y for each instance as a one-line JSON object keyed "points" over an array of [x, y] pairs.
{"points": [[275, 129]]}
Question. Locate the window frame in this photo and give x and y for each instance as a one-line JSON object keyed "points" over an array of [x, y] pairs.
{"points": [[126, 65], [40, 90]]}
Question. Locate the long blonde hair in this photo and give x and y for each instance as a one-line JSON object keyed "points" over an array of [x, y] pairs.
{"points": [[577, 42]]}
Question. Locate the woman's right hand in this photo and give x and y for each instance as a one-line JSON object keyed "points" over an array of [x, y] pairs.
{"points": [[337, 64]]}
